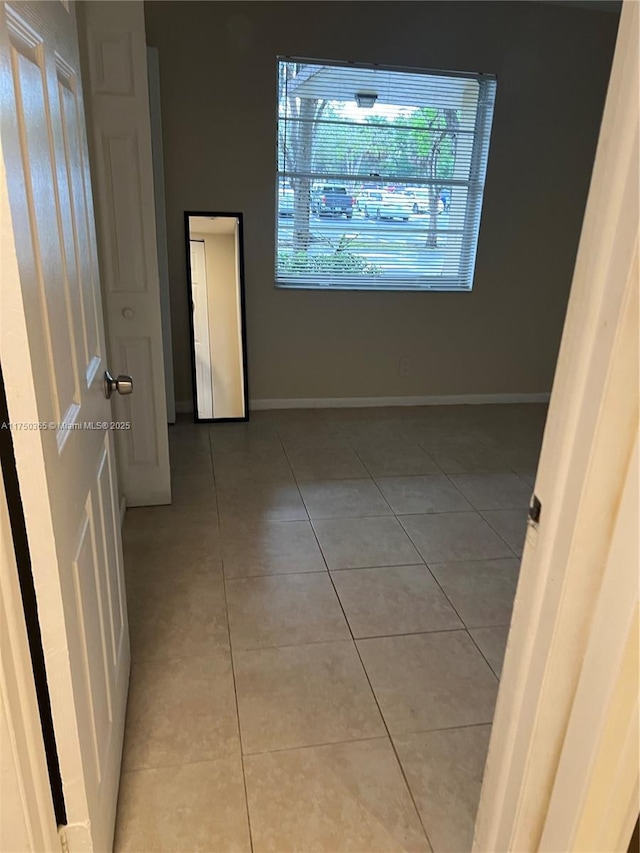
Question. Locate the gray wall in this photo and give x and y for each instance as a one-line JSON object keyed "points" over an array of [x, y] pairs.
{"points": [[218, 89]]}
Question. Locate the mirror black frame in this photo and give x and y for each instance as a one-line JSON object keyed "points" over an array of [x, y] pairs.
{"points": [[240, 249]]}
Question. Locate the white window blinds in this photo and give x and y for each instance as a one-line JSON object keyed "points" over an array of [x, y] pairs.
{"points": [[380, 176]]}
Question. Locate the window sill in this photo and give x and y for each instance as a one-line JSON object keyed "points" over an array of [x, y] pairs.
{"points": [[371, 288]]}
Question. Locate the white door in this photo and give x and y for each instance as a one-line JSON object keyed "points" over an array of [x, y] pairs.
{"points": [[52, 349], [202, 350], [562, 768], [114, 56]]}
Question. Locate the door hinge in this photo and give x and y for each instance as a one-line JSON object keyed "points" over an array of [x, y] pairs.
{"points": [[535, 508], [64, 844]]}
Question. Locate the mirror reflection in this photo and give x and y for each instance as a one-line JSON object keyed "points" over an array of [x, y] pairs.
{"points": [[216, 293]]}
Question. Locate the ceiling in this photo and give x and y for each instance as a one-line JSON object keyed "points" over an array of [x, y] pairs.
{"points": [[212, 224]]}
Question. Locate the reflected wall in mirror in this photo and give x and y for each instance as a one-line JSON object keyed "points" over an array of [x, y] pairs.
{"points": [[216, 308]]}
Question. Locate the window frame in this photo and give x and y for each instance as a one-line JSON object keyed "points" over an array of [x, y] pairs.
{"points": [[476, 184]]}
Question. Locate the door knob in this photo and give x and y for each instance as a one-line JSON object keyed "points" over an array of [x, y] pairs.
{"points": [[123, 384]]}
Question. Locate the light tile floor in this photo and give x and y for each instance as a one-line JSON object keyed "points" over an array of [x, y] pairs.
{"points": [[317, 625]]}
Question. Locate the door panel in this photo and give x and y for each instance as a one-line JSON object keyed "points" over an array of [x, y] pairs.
{"points": [[95, 686], [113, 45], [124, 266], [141, 444], [36, 142], [75, 172], [108, 537], [52, 350]]}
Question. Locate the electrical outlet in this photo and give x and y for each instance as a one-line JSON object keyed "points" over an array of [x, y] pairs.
{"points": [[404, 367]]}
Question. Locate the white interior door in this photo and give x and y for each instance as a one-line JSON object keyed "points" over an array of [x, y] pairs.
{"points": [[562, 768], [202, 349], [52, 349], [114, 55]]}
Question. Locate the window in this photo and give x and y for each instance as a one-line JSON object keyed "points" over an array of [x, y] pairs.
{"points": [[380, 176]]}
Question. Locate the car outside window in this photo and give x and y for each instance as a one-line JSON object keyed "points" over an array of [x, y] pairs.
{"points": [[380, 175]]}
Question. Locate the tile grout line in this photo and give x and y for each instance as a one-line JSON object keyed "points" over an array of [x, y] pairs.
{"points": [[485, 445], [461, 628], [467, 629], [420, 561], [153, 767], [336, 518], [233, 669], [483, 654], [366, 674], [373, 479], [532, 486], [497, 532], [456, 611], [386, 728], [296, 482], [383, 737], [486, 521], [455, 560], [510, 472], [373, 476]]}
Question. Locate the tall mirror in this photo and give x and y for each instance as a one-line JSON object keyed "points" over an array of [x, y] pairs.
{"points": [[216, 302]]}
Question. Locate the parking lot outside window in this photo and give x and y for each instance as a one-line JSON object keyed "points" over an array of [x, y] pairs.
{"points": [[380, 176]]}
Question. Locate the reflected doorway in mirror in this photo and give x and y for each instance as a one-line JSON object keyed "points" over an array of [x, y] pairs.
{"points": [[215, 277]]}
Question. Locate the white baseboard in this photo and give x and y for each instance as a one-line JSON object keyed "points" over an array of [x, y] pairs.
{"points": [[184, 407], [370, 402]]}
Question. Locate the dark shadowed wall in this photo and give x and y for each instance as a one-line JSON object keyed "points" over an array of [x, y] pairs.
{"points": [[218, 88]]}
